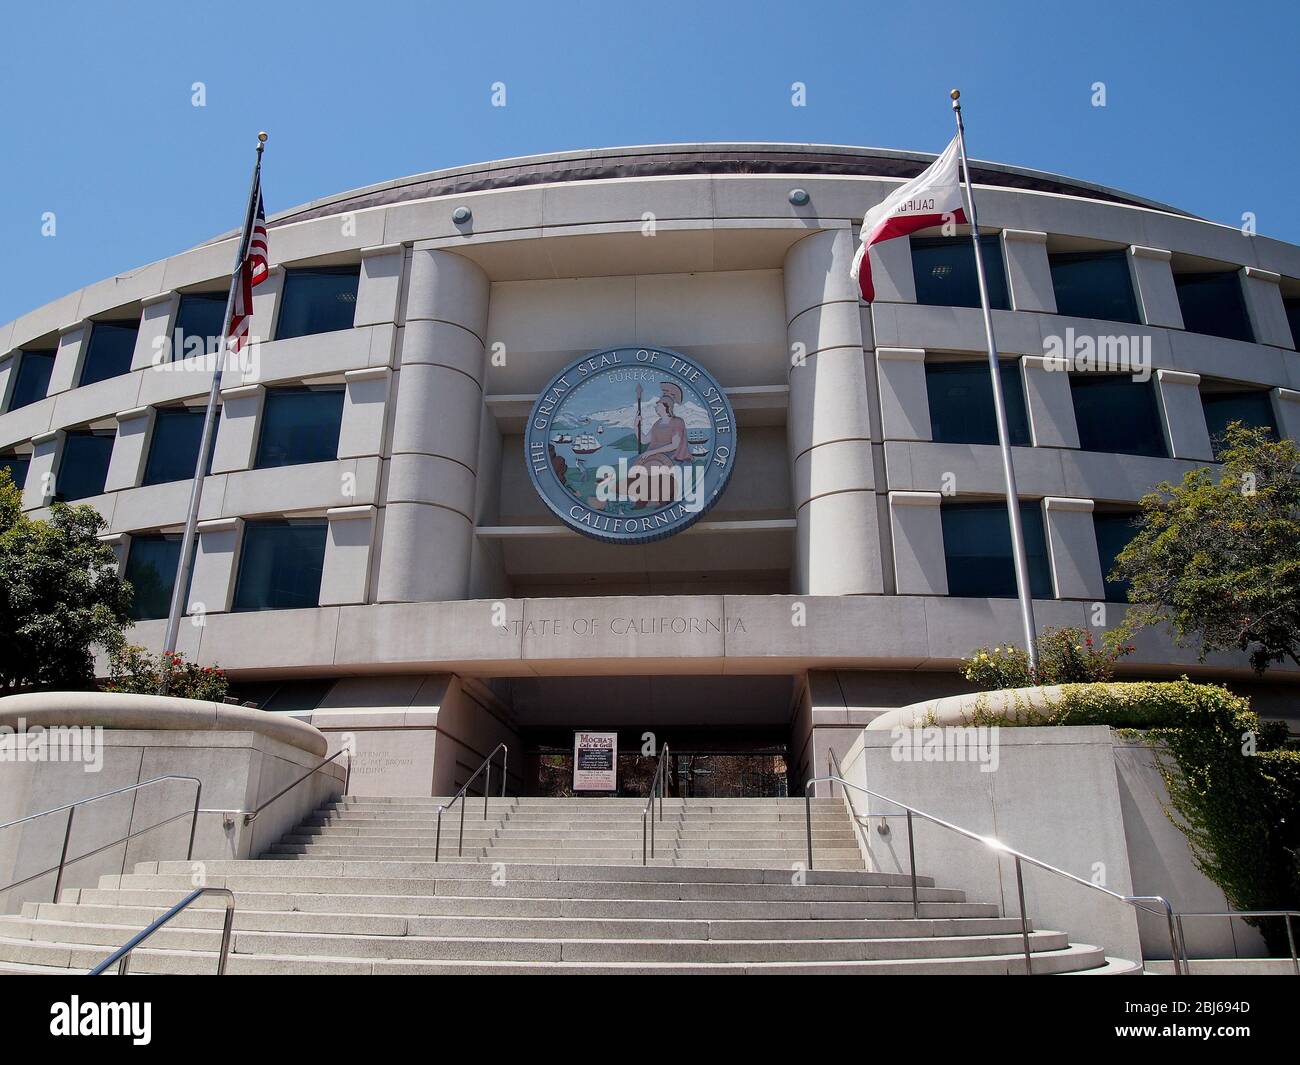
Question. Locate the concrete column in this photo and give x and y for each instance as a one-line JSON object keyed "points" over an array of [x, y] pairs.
{"points": [[1183, 416], [67, 360], [904, 400], [8, 374], [121, 545], [381, 281], [266, 304], [837, 548], [216, 562], [346, 572], [1072, 549], [1153, 284], [1286, 412], [1264, 306], [1029, 274], [891, 270], [130, 449], [920, 567], [364, 402], [40, 487], [241, 413], [154, 344], [429, 512], [1049, 403]]}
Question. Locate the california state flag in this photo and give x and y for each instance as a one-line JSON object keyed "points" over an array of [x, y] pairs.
{"points": [[929, 199]]}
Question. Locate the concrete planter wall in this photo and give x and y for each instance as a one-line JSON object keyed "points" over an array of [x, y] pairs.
{"points": [[242, 757], [1106, 789]]}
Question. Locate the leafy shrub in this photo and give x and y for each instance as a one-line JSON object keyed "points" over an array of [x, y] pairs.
{"points": [[1065, 656]]}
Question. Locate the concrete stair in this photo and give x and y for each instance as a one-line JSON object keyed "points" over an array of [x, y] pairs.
{"points": [[544, 886]]}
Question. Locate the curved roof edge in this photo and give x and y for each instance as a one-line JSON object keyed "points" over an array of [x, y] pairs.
{"points": [[662, 160]]}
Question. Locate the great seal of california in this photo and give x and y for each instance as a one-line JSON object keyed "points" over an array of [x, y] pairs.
{"points": [[631, 444]]}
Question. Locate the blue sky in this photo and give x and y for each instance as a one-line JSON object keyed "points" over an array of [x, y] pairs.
{"points": [[99, 127]]}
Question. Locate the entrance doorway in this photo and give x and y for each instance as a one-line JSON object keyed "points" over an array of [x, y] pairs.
{"points": [[714, 764]]}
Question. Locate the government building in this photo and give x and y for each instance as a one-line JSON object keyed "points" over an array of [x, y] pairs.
{"points": [[606, 441]]}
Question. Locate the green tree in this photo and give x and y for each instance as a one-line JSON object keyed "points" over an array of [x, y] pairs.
{"points": [[60, 595], [1217, 559]]}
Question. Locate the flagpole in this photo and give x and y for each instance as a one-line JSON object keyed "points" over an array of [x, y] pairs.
{"points": [[185, 563], [1000, 411]]}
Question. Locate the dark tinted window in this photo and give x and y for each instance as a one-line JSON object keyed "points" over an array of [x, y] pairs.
{"points": [[151, 569], [1094, 285], [109, 351], [961, 403], [977, 549], [33, 378], [84, 465], [280, 565], [300, 425], [1253, 409], [1213, 304], [318, 300], [1117, 414], [198, 324], [174, 445], [1293, 319], [17, 467], [944, 269], [1114, 531]]}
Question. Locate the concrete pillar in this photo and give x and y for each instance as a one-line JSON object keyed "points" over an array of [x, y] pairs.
{"points": [[8, 375], [1048, 401], [891, 271], [212, 585], [1183, 416], [1029, 274], [130, 449], [155, 343], [837, 548], [1264, 306], [241, 411], [266, 305], [380, 283], [345, 575], [40, 487], [1072, 549], [1153, 284], [429, 511], [920, 567], [121, 545], [904, 400], [361, 431], [67, 360], [1286, 412]]}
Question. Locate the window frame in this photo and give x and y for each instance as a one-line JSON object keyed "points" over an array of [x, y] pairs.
{"points": [[88, 347], [22, 358], [1039, 558], [68, 436], [1228, 278], [1009, 368], [292, 273], [999, 294], [1110, 256], [263, 422], [161, 413], [1083, 381], [250, 531]]}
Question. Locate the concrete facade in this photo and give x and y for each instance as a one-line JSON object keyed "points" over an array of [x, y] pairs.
{"points": [[822, 566]]}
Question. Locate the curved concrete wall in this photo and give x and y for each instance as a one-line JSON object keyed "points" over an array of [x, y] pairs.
{"points": [[458, 324]]}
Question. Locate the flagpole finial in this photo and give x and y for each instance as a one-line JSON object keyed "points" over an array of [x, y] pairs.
{"points": [[956, 99], [262, 136]]}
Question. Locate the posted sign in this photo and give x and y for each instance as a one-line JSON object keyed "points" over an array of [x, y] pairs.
{"points": [[595, 761]]}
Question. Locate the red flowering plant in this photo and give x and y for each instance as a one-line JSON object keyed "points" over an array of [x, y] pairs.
{"points": [[132, 668]]}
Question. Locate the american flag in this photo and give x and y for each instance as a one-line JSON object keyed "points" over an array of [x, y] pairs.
{"points": [[252, 272]]}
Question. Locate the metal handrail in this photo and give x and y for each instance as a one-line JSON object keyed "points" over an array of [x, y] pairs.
{"points": [[1136, 901], [833, 765], [658, 784], [487, 788], [71, 807], [1287, 914], [123, 953], [251, 815]]}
